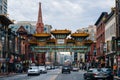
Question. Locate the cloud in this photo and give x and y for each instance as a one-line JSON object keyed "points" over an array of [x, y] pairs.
{"points": [[65, 14]]}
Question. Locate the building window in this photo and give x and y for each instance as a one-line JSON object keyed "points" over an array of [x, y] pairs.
{"points": [[45, 29], [0, 1], [0, 7], [27, 27], [12, 27]]}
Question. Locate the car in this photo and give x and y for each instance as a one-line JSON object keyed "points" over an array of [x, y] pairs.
{"points": [[66, 69], [75, 69], [94, 74], [109, 72], [42, 69], [56, 67], [48, 67], [52, 67], [33, 70]]}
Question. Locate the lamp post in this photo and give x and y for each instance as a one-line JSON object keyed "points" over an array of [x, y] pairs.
{"points": [[102, 55], [3, 47], [3, 54], [10, 46]]}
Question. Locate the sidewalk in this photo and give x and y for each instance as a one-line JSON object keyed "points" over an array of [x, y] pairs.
{"points": [[10, 74], [116, 77]]}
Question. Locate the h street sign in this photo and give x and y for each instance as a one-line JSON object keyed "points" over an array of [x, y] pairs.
{"points": [[118, 42]]}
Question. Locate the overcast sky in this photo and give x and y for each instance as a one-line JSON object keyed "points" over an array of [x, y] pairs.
{"points": [[61, 14]]}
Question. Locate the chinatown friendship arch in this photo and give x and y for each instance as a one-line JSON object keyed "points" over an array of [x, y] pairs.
{"points": [[57, 41]]}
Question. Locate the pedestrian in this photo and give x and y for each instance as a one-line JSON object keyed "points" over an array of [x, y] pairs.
{"points": [[17, 68], [80, 66], [119, 72], [2, 68], [115, 69]]}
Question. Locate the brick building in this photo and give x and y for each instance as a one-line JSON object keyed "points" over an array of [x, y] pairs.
{"points": [[100, 38]]}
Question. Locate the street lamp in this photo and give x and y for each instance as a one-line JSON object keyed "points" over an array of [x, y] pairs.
{"points": [[3, 47], [10, 46], [3, 55]]}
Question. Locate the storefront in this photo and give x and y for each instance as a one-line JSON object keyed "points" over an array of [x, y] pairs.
{"points": [[118, 61], [1, 59], [111, 59], [101, 61]]}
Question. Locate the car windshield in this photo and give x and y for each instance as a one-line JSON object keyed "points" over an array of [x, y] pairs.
{"points": [[65, 66], [33, 68], [42, 66], [106, 69], [93, 70]]}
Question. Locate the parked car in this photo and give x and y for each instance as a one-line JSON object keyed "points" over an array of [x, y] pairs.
{"points": [[75, 69], [48, 67], [33, 70], [94, 74], [66, 69], [56, 67], [42, 69], [109, 72], [52, 67]]}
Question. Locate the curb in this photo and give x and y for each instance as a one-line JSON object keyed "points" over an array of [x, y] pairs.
{"points": [[8, 75], [116, 77]]}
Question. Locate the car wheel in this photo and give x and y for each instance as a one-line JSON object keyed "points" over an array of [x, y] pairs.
{"points": [[28, 74], [111, 78], [62, 72], [95, 79], [84, 78]]}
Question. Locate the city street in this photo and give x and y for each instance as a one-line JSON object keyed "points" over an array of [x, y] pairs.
{"points": [[72, 76], [44, 36], [51, 75]]}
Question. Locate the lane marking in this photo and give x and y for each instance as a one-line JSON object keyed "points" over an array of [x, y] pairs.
{"points": [[55, 76]]}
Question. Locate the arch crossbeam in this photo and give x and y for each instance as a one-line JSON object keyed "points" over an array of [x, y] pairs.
{"points": [[39, 49]]}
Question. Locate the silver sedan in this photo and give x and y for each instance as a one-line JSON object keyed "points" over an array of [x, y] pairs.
{"points": [[33, 70]]}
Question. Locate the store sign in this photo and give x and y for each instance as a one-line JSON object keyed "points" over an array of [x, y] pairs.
{"points": [[119, 58], [0, 47], [2, 60], [60, 41]]}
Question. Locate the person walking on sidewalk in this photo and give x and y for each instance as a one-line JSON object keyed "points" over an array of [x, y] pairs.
{"points": [[118, 72], [3, 68], [115, 69]]}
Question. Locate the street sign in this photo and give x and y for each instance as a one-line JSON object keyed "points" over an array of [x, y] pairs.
{"points": [[118, 42], [2, 60], [119, 58]]}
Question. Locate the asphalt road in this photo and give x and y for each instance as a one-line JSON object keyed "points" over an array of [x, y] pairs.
{"points": [[51, 75], [72, 76]]}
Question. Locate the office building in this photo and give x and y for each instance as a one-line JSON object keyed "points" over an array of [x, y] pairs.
{"points": [[3, 6]]}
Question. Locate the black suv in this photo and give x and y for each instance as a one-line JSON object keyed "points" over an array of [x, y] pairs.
{"points": [[66, 69]]}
